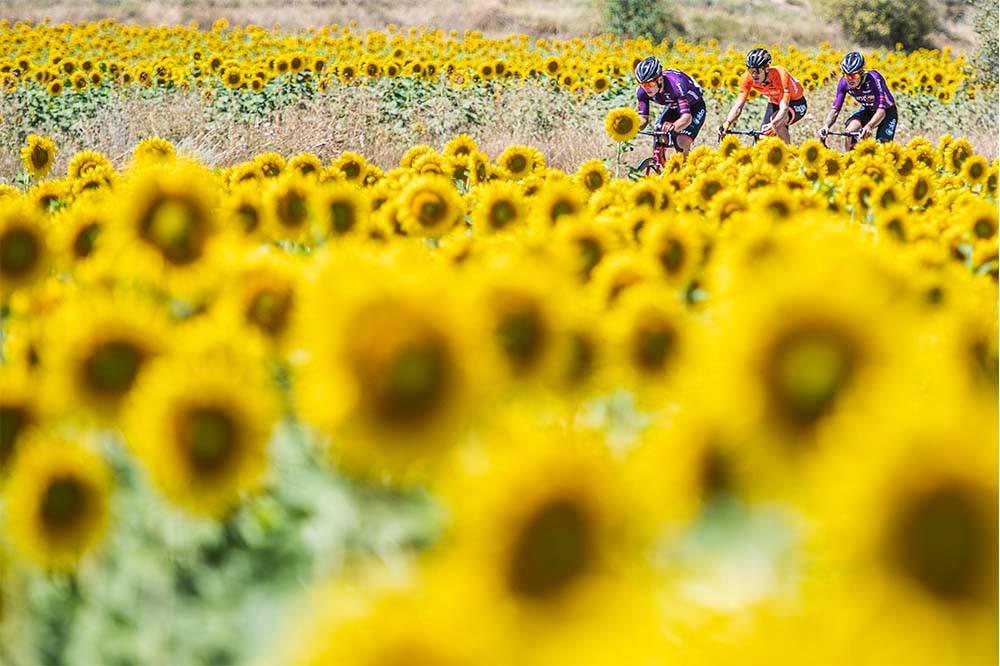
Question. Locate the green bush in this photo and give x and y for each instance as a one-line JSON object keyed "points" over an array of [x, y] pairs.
{"points": [[641, 18], [987, 12], [884, 22]]}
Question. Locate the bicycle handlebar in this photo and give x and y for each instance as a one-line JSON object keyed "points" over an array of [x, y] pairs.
{"points": [[655, 133]]}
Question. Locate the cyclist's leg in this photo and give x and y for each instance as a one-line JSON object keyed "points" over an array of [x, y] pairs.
{"points": [[668, 116], [768, 114], [854, 123], [886, 129], [684, 143], [687, 135]]}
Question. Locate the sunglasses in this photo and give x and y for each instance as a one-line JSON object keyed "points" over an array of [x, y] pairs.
{"points": [[648, 84], [853, 77]]}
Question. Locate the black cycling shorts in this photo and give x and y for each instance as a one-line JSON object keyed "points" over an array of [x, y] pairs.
{"points": [[796, 111], [886, 129], [697, 119]]}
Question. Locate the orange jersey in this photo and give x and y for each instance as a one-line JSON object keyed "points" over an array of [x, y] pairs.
{"points": [[778, 86]]}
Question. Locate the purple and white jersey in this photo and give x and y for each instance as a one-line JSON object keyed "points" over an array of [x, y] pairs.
{"points": [[680, 92], [873, 93]]}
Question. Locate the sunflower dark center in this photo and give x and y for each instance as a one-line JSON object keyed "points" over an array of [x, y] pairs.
{"points": [[269, 310], [517, 163], [521, 336], [946, 541], [623, 125], [292, 209], [552, 550], [83, 244], [13, 419], [20, 251], [209, 436], [805, 372], [40, 157], [342, 217], [501, 213], [65, 500], [672, 256], [175, 227], [112, 366], [653, 345]]}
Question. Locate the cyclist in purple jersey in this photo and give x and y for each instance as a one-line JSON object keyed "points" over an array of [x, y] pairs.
{"points": [[681, 97], [878, 107]]}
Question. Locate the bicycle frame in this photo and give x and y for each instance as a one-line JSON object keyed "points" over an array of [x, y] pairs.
{"points": [[655, 163], [756, 134], [854, 135]]}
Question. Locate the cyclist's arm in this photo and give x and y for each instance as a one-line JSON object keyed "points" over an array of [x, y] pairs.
{"points": [[682, 122], [642, 107], [838, 104], [643, 121], [734, 113]]}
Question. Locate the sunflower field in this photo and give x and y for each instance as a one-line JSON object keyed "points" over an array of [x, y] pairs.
{"points": [[474, 407]]}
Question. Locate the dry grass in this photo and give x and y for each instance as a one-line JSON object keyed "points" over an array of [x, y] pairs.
{"points": [[568, 131]]}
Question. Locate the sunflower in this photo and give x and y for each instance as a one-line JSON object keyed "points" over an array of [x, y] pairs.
{"points": [[200, 425], [772, 153], [558, 199], [38, 155], [919, 187], [105, 343], [78, 229], [20, 411], [622, 124], [956, 153], [593, 175], [390, 375], [286, 207], [57, 502], [430, 206], [241, 209], [810, 352], [168, 225], [521, 315], [516, 162], [265, 294], [86, 161], [352, 166], [270, 164], [499, 206], [707, 186], [585, 244], [24, 250], [556, 554], [462, 145], [915, 577], [811, 152], [675, 245], [339, 209], [306, 164], [975, 169]]}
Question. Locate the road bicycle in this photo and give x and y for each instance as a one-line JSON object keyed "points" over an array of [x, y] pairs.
{"points": [[756, 134], [655, 163]]}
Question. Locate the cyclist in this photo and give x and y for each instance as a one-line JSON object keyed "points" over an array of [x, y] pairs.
{"points": [[878, 107], [684, 111], [786, 102]]}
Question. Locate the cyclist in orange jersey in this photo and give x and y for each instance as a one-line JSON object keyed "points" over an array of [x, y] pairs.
{"points": [[786, 97]]}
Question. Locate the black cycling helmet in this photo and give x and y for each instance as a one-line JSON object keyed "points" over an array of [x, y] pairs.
{"points": [[648, 69], [758, 58], [852, 63]]}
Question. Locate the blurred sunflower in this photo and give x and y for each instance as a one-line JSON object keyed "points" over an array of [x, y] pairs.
{"points": [[499, 206], [430, 206], [57, 502], [339, 209], [24, 249]]}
